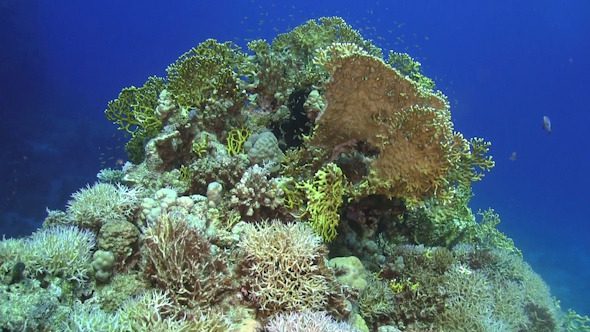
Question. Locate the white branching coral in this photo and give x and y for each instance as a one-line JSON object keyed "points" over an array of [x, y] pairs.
{"points": [[60, 251], [91, 207]]}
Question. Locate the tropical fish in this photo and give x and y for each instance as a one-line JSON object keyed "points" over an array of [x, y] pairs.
{"points": [[547, 124], [513, 156]]}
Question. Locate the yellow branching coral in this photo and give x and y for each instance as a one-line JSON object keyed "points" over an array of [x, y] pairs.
{"points": [[471, 163], [201, 145], [325, 55], [488, 236], [324, 196], [208, 72], [370, 102], [236, 139], [134, 112]]}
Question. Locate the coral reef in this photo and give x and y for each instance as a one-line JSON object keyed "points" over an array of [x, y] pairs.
{"points": [[311, 185], [408, 128]]}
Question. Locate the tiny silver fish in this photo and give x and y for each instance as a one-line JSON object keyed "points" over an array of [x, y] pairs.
{"points": [[547, 124]]}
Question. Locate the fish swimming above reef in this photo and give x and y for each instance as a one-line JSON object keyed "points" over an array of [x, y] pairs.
{"points": [[513, 156], [547, 124]]}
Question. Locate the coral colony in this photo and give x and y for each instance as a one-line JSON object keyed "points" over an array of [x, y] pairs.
{"points": [[310, 184]]}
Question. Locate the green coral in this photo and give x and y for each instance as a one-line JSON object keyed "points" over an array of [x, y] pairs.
{"points": [[201, 145], [411, 68], [303, 41], [121, 238], [324, 196], [208, 78], [134, 112], [59, 251], [211, 70], [236, 139], [488, 236], [93, 206], [471, 162], [102, 264], [288, 66], [377, 302], [121, 288], [443, 223], [575, 322], [29, 307]]}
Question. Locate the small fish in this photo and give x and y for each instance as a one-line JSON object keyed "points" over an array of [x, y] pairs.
{"points": [[513, 156], [547, 124]]}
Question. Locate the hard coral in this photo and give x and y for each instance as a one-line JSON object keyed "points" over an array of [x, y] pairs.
{"points": [[181, 261], [206, 75], [283, 265], [370, 102], [324, 196], [304, 40], [134, 112], [92, 207], [255, 195], [59, 251], [121, 238], [307, 321]]}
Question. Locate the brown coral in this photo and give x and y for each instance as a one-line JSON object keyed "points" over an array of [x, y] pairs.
{"points": [[181, 261], [370, 102]]}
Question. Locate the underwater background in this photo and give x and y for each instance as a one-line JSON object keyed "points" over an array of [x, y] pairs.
{"points": [[503, 64]]}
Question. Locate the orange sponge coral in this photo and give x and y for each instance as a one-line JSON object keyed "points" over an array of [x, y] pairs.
{"points": [[408, 127]]}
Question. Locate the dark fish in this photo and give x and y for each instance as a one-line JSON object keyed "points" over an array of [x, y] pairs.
{"points": [[547, 124]]}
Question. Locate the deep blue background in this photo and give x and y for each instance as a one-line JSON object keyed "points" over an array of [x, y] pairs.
{"points": [[503, 64]]}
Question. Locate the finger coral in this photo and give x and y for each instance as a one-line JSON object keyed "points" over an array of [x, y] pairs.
{"points": [[307, 321], [255, 195]]}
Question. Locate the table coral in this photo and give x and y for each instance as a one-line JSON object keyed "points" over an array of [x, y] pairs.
{"points": [[370, 102]]}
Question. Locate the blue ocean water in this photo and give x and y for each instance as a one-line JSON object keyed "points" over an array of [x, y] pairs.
{"points": [[503, 64]]}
